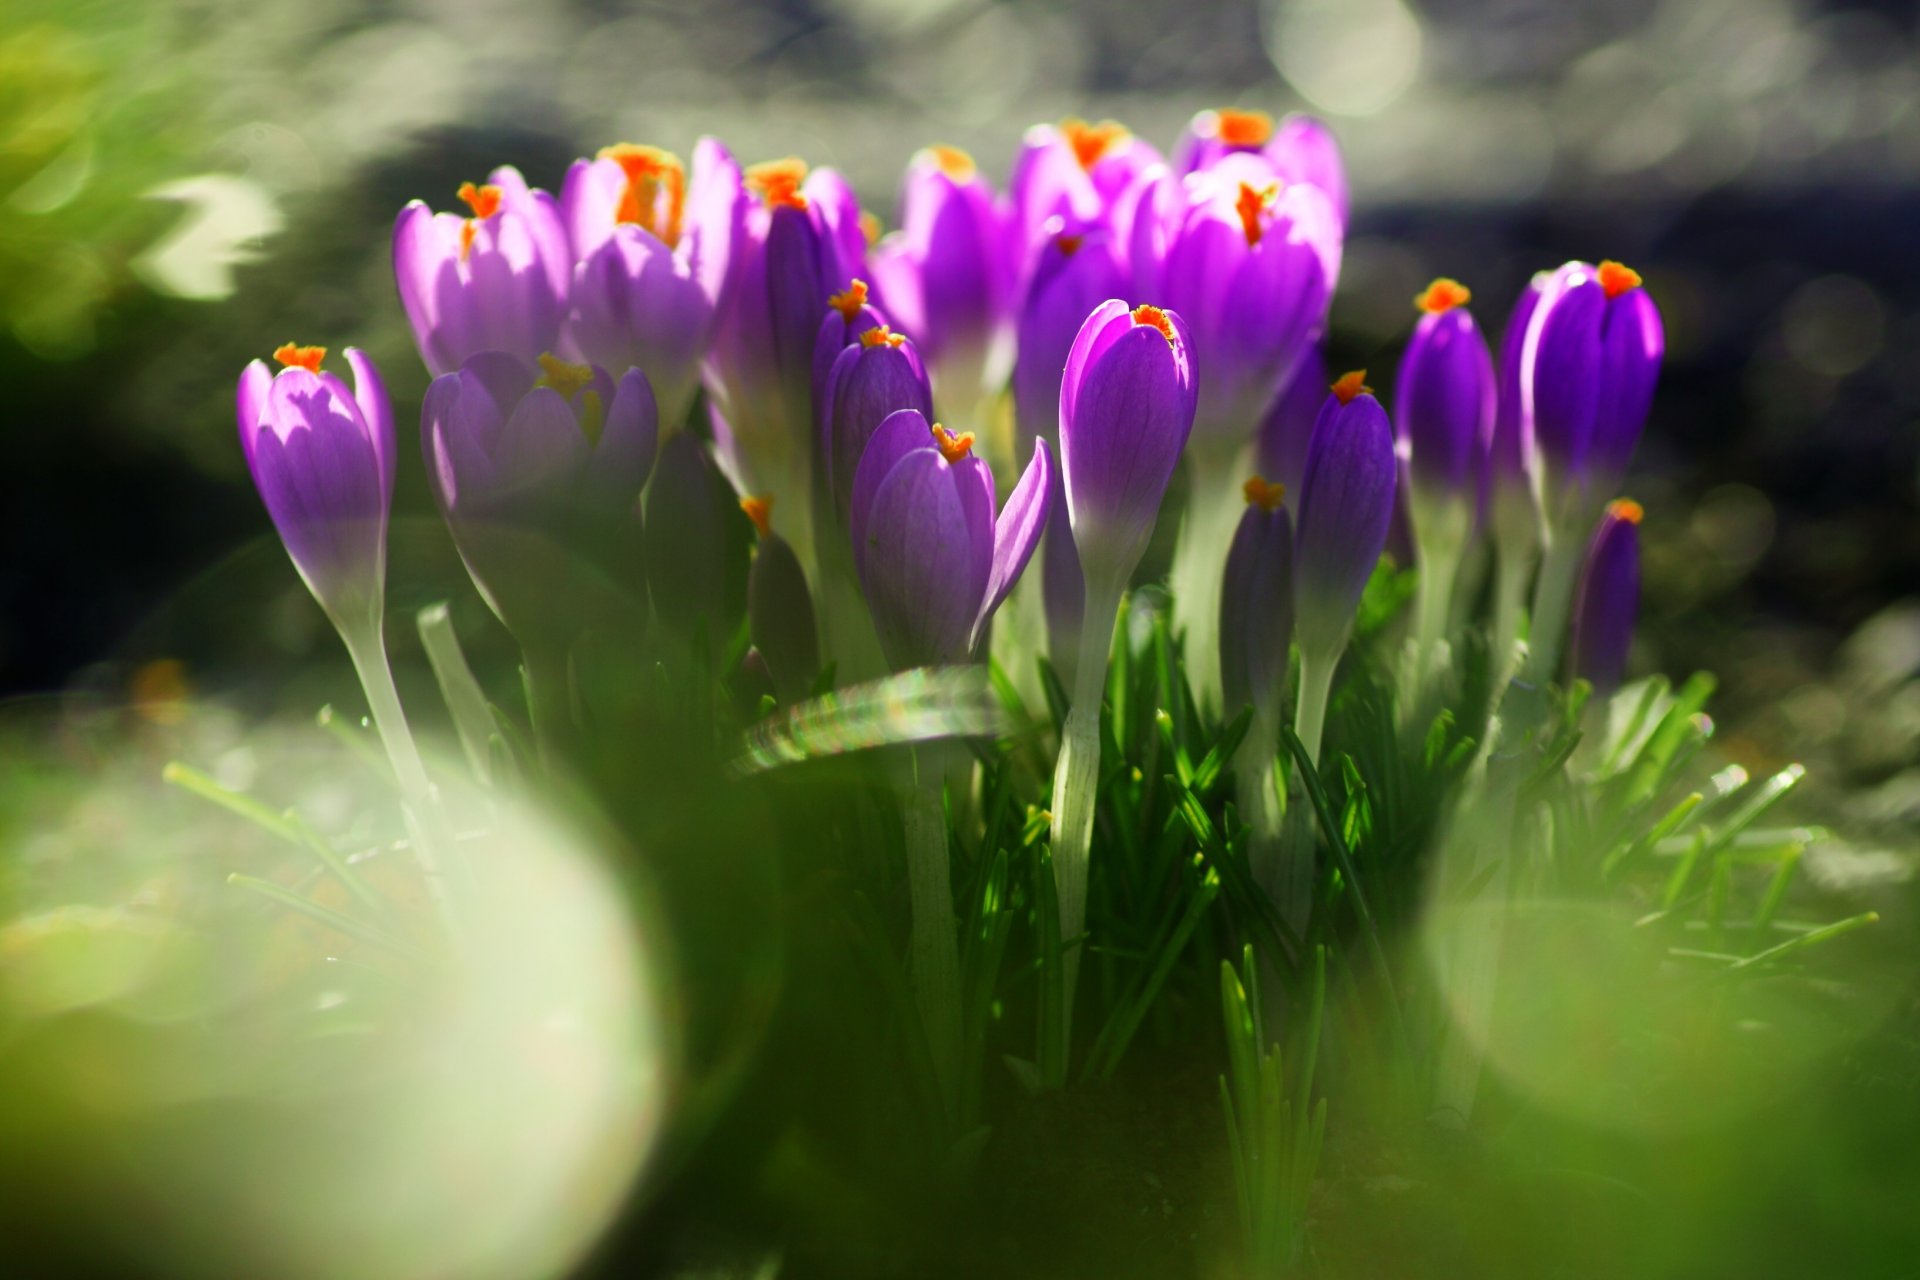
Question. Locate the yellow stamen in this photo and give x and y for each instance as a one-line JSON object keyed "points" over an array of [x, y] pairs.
{"points": [[952, 447], [294, 356], [593, 416], [1253, 202], [1617, 278], [1442, 296], [567, 379], [953, 162], [1349, 385], [1154, 317], [1626, 509], [1242, 128], [651, 172], [1092, 143], [1260, 493], [760, 511], [778, 182], [881, 334], [849, 302]]}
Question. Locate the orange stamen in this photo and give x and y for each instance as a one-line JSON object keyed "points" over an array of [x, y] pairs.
{"points": [[1068, 244], [1253, 201], [484, 201], [1442, 296], [778, 182], [294, 356], [952, 447], [760, 511], [953, 162], [1092, 142], [650, 172], [1243, 128], [880, 333], [1154, 317], [563, 377], [1349, 385], [1260, 493], [1617, 278], [849, 302], [1626, 509]]}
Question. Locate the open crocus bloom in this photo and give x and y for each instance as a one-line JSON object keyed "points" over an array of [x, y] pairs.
{"points": [[934, 559], [1298, 149], [873, 377], [1079, 172], [494, 280], [322, 459]]}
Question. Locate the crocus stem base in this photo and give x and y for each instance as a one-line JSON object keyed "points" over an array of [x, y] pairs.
{"points": [[935, 946], [1213, 510], [1439, 568], [1553, 603], [549, 703]]}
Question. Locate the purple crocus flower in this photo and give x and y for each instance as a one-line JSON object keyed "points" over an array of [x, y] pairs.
{"points": [[1256, 603], [1592, 355], [651, 255], [947, 276], [1280, 448], [1513, 506], [1250, 264], [1346, 506], [1300, 150], [1445, 393], [1078, 172], [933, 559], [1127, 400], [849, 314], [538, 468], [875, 376], [798, 243], [1608, 601], [496, 280], [322, 459], [1075, 272]]}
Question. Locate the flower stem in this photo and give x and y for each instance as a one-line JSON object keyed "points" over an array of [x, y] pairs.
{"points": [[1552, 604], [549, 702], [1439, 567], [1076, 779], [1199, 557], [1316, 684], [1515, 566], [1291, 871], [935, 945]]}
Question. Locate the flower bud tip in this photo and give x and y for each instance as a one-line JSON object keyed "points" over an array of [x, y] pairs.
{"points": [[952, 447], [1238, 128], [1260, 493], [1351, 384], [1617, 278], [880, 334], [1092, 142], [563, 377], [1147, 314], [1626, 509], [1442, 296], [760, 511], [778, 181], [294, 356]]}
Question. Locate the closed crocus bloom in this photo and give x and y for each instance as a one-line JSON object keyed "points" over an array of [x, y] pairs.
{"points": [[780, 617], [1346, 504], [1077, 171], [494, 280], [322, 459], [849, 314], [1256, 603], [651, 251], [1513, 507], [1300, 149], [1127, 400], [1608, 601], [877, 375], [1280, 448], [1076, 272], [538, 468], [947, 276], [1445, 406], [934, 559]]}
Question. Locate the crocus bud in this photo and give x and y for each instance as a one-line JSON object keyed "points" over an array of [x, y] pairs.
{"points": [[1346, 504], [538, 468], [1256, 602], [1076, 272], [1250, 265], [1445, 407], [780, 617], [934, 560], [651, 254], [1301, 149], [947, 276], [1608, 601], [1592, 355], [875, 376], [849, 314], [690, 553], [495, 280], [1513, 506], [322, 459], [791, 254], [1280, 449], [1078, 172], [1127, 400]]}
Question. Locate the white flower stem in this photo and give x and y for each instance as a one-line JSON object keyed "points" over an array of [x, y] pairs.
{"points": [[1439, 568], [1515, 567], [935, 944], [1199, 558], [1289, 882], [1553, 603]]}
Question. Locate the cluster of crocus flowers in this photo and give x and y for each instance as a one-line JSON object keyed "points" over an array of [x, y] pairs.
{"points": [[619, 373]]}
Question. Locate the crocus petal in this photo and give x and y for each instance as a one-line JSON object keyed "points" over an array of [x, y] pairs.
{"points": [[1102, 327], [1446, 394], [866, 384], [370, 394], [1286, 430], [1346, 506], [1075, 273], [914, 566], [255, 383], [1016, 533], [716, 198], [1608, 600], [897, 435], [541, 447], [1632, 343], [634, 306], [629, 437], [1560, 369], [1256, 608]]}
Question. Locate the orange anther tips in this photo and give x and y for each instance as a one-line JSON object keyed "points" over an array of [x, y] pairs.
{"points": [[1626, 509], [1443, 295], [651, 172], [881, 335], [870, 227], [1252, 202], [1348, 385], [849, 301], [1617, 278], [778, 182], [760, 511], [1242, 128], [952, 447], [1068, 244], [1260, 493], [953, 162], [567, 379], [484, 201], [1092, 142], [294, 356], [1154, 317]]}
